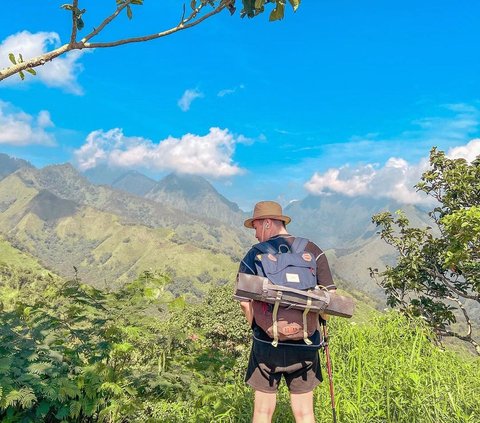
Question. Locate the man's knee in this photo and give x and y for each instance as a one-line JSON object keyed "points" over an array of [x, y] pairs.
{"points": [[302, 406], [264, 404]]}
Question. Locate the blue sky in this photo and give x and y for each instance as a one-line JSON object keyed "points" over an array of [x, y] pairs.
{"points": [[341, 96]]}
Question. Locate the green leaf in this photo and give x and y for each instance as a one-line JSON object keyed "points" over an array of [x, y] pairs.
{"points": [[63, 412], [67, 6], [278, 13], [22, 75], [42, 409], [259, 4], [80, 23], [11, 56], [31, 71], [295, 4], [129, 12], [248, 8], [20, 57]]}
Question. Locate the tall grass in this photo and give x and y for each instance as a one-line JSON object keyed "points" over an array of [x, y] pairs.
{"points": [[387, 370]]}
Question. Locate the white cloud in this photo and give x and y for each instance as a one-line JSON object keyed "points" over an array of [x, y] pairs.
{"points": [[468, 152], [61, 72], [209, 155], [187, 98], [395, 179], [21, 129]]}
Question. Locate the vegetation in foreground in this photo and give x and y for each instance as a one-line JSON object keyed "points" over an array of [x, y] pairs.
{"points": [[437, 275], [71, 353]]}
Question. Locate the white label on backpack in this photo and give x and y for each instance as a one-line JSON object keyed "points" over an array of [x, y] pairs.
{"points": [[292, 277]]}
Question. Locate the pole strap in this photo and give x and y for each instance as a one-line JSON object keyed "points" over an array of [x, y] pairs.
{"points": [[274, 318], [305, 328]]}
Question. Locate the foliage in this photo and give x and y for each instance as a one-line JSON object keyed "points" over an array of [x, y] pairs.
{"points": [[69, 352], [198, 12], [437, 274]]}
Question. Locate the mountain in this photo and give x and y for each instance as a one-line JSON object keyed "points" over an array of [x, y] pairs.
{"points": [[342, 226], [12, 256], [110, 236], [130, 181], [61, 217], [191, 194], [10, 164], [195, 195], [342, 222], [135, 183], [103, 174]]}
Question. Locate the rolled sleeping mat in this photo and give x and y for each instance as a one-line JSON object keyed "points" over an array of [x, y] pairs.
{"points": [[260, 288]]}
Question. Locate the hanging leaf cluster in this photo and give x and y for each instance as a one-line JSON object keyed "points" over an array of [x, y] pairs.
{"points": [[252, 8]]}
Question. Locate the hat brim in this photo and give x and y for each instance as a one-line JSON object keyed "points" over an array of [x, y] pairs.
{"points": [[249, 222]]}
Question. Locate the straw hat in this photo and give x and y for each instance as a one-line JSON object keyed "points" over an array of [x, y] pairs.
{"points": [[267, 210]]}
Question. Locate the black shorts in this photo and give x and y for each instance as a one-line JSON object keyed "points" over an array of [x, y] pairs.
{"points": [[300, 366]]}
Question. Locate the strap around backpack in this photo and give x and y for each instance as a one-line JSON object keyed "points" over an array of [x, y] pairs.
{"points": [[298, 246], [265, 248]]}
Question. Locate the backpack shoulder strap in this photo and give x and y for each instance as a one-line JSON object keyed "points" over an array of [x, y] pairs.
{"points": [[265, 248], [299, 245]]}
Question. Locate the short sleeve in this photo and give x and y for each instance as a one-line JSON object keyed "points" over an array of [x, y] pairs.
{"points": [[324, 275], [247, 265]]}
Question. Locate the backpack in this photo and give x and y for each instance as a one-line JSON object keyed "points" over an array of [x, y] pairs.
{"points": [[293, 273]]}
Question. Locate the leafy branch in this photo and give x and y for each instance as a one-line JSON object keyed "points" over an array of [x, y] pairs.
{"points": [[197, 15], [435, 268]]}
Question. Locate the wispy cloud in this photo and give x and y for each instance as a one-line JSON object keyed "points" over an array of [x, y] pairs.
{"points": [[21, 129], [188, 97], [59, 73], [209, 155], [229, 91]]}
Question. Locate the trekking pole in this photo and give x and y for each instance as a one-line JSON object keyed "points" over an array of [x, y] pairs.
{"points": [[329, 368]]}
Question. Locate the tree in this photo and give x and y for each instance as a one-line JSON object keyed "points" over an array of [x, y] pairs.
{"points": [[437, 273], [197, 14]]}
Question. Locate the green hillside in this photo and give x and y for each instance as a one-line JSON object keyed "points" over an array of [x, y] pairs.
{"points": [[12, 256], [71, 353], [113, 248], [105, 250]]}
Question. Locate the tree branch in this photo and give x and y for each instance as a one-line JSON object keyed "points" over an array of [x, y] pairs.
{"points": [[436, 273], [35, 62], [179, 27], [465, 314], [189, 22], [73, 36], [105, 22]]}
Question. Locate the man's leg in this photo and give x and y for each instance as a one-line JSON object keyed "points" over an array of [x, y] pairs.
{"points": [[302, 407], [264, 407]]}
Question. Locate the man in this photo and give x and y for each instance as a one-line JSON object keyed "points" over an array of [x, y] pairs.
{"points": [[297, 363]]}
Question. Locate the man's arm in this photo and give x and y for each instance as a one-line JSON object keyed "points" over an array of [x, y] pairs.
{"points": [[247, 311], [247, 266]]}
